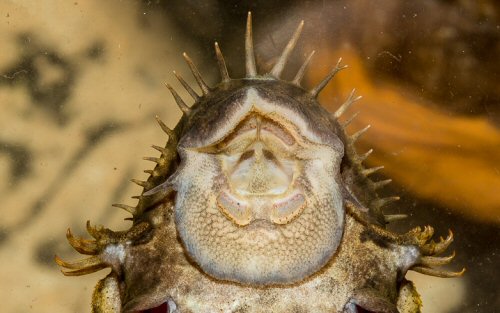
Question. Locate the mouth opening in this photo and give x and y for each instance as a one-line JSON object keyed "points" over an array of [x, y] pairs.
{"points": [[260, 166]]}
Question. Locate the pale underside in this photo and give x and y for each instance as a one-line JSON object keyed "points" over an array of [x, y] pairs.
{"points": [[260, 204]]}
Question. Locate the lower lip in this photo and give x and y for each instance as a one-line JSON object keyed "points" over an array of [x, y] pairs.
{"points": [[262, 230], [261, 224]]}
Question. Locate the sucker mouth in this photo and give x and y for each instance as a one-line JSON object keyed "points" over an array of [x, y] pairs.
{"points": [[245, 211], [260, 169]]}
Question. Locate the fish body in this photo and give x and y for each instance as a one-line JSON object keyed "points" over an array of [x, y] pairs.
{"points": [[258, 203]]}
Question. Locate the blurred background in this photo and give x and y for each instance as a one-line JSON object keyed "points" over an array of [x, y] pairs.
{"points": [[81, 82]]}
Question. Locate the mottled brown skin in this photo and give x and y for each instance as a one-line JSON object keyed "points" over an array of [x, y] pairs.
{"points": [[317, 239]]}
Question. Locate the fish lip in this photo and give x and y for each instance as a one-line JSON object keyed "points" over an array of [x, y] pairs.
{"points": [[261, 224], [272, 202], [262, 231]]}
